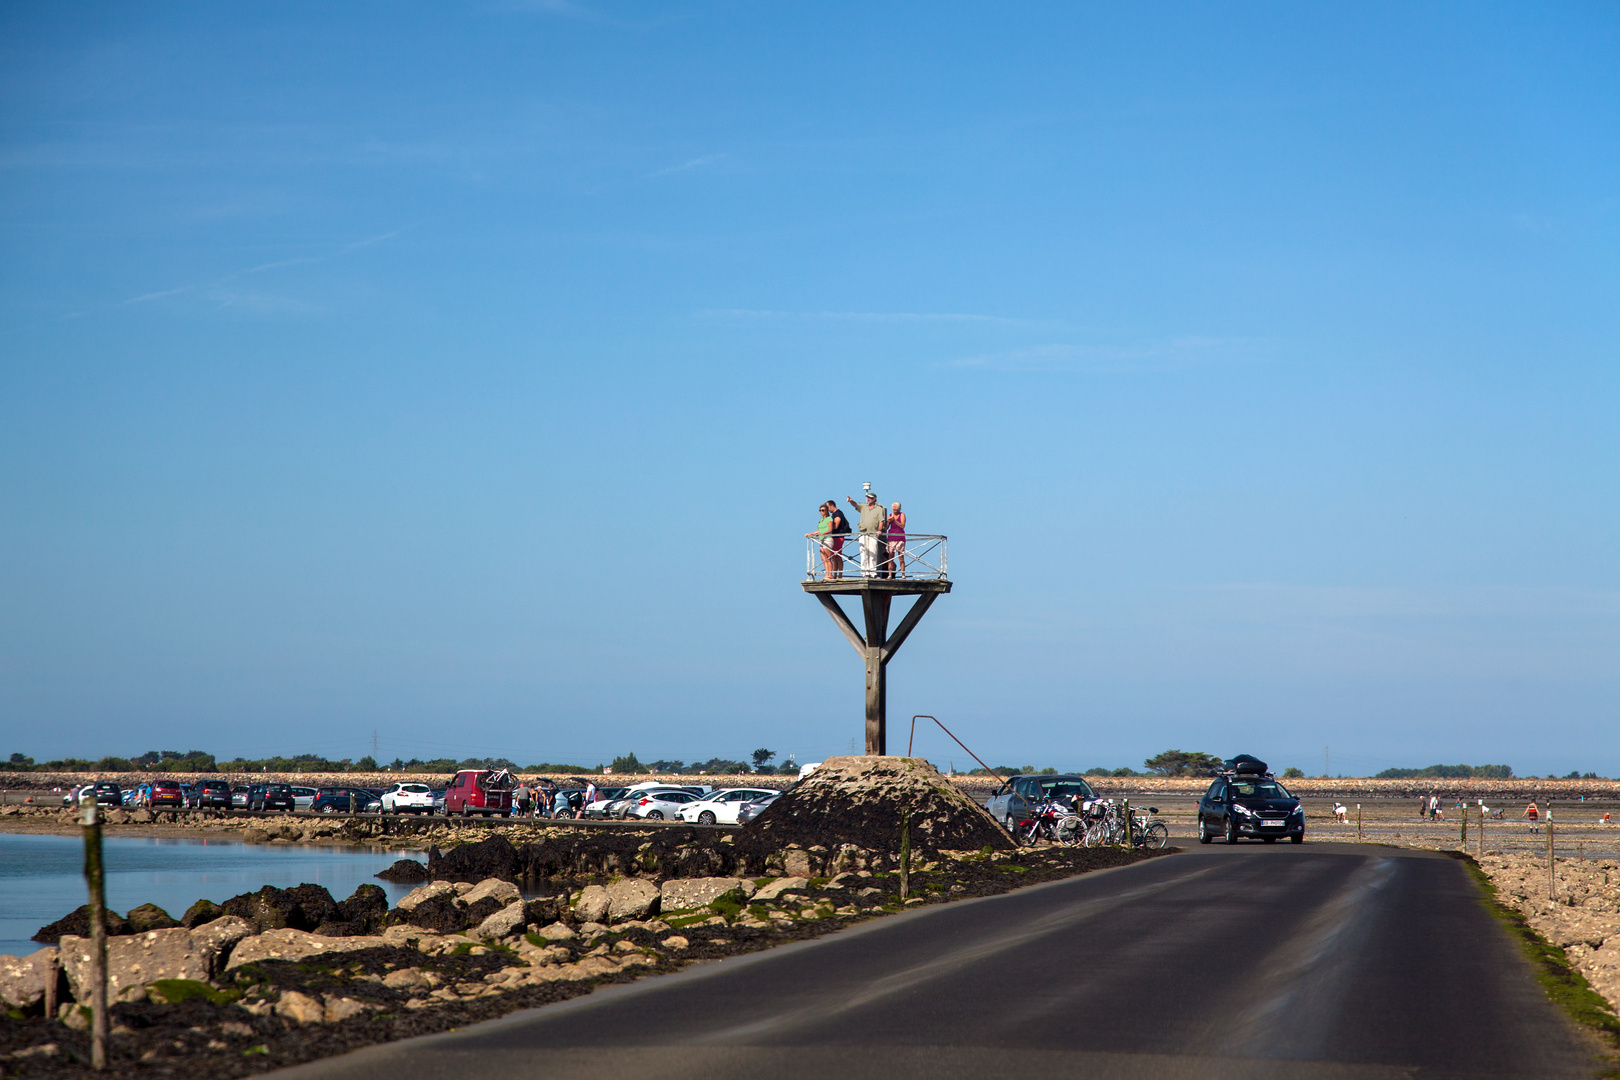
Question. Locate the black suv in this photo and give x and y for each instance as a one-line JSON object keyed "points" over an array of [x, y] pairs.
{"points": [[272, 797], [1246, 801]]}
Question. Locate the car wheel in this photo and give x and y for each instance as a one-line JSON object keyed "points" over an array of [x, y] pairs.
{"points": [[1204, 836], [655, 815], [707, 817], [328, 809], [1231, 831], [1297, 838]]}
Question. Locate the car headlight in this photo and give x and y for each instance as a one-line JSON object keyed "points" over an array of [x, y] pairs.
{"points": [[1244, 810]]}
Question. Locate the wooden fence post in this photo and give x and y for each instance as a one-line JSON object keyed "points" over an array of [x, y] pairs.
{"points": [[95, 877], [1552, 874], [1358, 823], [1479, 844], [1465, 826], [905, 855]]}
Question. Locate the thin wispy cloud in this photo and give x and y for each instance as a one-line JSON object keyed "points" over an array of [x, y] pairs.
{"points": [[742, 314], [688, 166], [1172, 354], [260, 301]]}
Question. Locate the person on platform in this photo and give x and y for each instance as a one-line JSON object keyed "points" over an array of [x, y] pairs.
{"points": [[823, 535], [871, 533], [895, 541], [840, 533]]}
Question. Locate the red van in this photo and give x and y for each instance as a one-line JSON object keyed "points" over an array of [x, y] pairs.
{"points": [[479, 791]]}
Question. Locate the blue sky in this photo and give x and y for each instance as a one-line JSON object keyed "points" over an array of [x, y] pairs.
{"points": [[469, 374]]}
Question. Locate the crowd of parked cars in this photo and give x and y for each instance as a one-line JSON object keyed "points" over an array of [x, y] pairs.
{"points": [[488, 793]]}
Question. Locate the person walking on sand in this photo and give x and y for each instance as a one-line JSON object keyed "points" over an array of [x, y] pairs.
{"points": [[1530, 812], [895, 542], [823, 535], [871, 533]]}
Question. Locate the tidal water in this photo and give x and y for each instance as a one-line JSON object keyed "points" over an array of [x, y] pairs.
{"points": [[42, 877]]}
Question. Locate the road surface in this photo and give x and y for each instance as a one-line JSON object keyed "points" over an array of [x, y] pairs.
{"points": [[1317, 962]]}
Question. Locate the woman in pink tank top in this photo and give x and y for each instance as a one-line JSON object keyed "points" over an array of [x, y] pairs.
{"points": [[896, 537]]}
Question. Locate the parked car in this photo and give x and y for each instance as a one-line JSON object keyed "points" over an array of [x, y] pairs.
{"points": [[303, 797], [239, 796], [211, 795], [604, 798], [1014, 800], [75, 795], [407, 798], [273, 797], [479, 791], [658, 805], [720, 806], [619, 808], [438, 801], [1248, 802], [566, 802], [341, 800], [750, 810], [141, 795], [167, 793]]}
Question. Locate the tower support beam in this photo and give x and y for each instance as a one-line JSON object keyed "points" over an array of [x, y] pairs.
{"points": [[876, 646]]}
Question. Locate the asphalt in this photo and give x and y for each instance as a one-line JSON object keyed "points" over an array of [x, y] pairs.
{"points": [[1317, 962]]}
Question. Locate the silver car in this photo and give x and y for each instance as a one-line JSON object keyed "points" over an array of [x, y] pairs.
{"points": [[748, 811], [1021, 794]]}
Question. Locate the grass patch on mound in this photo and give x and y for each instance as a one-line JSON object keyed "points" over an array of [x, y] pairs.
{"points": [[1564, 986], [174, 991]]}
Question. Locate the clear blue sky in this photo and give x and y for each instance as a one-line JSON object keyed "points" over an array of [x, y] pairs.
{"points": [[469, 373]]}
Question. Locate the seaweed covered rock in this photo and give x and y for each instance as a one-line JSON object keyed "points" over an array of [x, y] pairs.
{"points": [[366, 912], [149, 917], [492, 858], [405, 872], [303, 907], [860, 800], [77, 923], [203, 911]]}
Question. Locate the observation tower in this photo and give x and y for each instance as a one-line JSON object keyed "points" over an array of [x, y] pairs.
{"points": [[918, 571]]}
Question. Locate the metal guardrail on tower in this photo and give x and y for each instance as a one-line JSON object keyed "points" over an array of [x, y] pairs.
{"points": [[922, 559]]}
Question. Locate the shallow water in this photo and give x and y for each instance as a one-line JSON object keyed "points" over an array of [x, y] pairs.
{"points": [[42, 877]]}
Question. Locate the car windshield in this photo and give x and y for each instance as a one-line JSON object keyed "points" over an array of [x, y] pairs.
{"points": [[1063, 789], [1259, 789]]}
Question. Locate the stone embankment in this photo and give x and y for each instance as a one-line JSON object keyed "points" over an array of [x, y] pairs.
{"points": [[503, 921], [1579, 913], [281, 976]]}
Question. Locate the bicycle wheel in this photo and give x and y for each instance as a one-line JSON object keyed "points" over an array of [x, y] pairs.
{"points": [[1096, 835], [1070, 831], [1157, 836]]}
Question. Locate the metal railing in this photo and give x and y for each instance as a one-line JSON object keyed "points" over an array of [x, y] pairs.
{"points": [[921, 558]]}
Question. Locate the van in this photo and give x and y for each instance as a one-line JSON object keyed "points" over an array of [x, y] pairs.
{"points": [[479, 791]]}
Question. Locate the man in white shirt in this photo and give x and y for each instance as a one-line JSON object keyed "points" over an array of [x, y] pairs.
{"points": [[871, 533]]}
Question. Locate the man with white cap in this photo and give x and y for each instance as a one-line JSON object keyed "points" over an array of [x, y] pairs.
{"points": [[871, 533]]}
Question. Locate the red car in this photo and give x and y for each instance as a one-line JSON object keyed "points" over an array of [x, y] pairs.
{"points": [[167, 793], [479, 791]]}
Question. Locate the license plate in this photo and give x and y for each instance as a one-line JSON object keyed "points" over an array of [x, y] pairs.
{"points": [[1279, 824]]}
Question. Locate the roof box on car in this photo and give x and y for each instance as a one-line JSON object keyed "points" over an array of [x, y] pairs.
{"points": [[1247, 763]]}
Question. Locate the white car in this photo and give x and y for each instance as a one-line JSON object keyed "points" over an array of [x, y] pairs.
{"points": [[405, 798], [721, 807], [657, 805]]}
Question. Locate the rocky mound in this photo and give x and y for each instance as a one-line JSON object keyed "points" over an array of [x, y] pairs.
{"points": [[859, 800]]}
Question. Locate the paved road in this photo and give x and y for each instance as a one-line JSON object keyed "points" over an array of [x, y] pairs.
{"points": [[1318, 962]]}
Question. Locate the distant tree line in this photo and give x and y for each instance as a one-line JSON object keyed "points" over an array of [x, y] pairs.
{"points": [[198, 761], [1454, 772]]}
